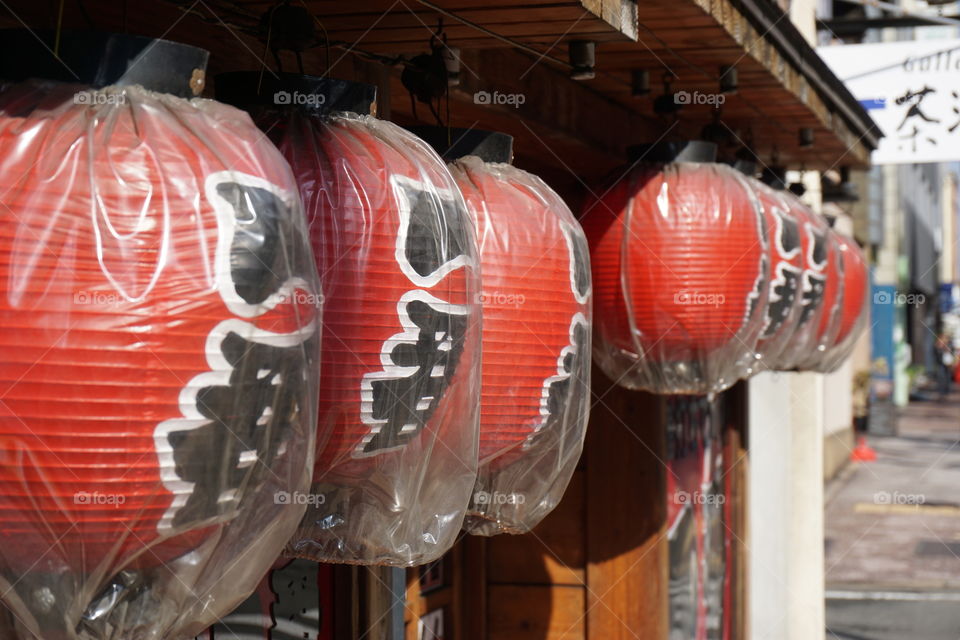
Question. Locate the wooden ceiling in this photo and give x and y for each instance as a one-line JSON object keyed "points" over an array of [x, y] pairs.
{"points": [[688, 40], [564, 126]]}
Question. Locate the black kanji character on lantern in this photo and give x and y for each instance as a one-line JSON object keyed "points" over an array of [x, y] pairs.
{"points": [[559, 403], [247, 424], [814, 280], [399, 401], [782, 296], [433, 232], [762, 281], [264, 250], [580, 282], [242, 409], [783, 293]]}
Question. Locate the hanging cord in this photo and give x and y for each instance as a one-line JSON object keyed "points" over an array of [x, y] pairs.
{"points": [[493, 34], [266, 49], [56, 41]]}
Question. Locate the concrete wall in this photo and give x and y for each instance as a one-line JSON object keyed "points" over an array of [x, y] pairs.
{"points": [[785, 498], [768, 498], [837, 418], [838, 387]]}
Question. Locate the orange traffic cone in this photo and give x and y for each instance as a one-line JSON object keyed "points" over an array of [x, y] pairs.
{"points": [[863, 452]]}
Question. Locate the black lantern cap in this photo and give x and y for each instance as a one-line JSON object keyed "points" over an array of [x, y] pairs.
{"points": [[682, 151], [312, 94], [103, 59], [453, 143]]}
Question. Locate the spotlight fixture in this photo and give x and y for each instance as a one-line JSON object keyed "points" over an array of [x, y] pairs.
{"points": [[715, 131], [746, 161], [774, 176], [668, 103], [806, 137], [451, 59], [582, 59], [639, 83], [842, 191], [728, 79]]}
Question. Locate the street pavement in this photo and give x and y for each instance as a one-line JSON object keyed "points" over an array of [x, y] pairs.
{"points": [[893, 532]]}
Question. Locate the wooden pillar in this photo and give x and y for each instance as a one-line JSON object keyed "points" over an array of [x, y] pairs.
{"points": [[627, 553]]}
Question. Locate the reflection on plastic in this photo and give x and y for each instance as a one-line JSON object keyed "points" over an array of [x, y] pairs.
{"points": [[397, 431], [680, 277], [785, 261], [854, 304], [160, 316], [536, 345]]}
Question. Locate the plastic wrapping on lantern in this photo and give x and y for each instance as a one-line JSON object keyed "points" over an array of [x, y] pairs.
{"points": [[785, 278], [400, 376], [679, 277], [853, 310], [534, 402], [159, 313], [829, 325], [826, 323], [816, 249]]}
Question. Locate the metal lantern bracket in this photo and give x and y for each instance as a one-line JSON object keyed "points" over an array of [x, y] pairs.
{"points": [[103, 59], [454, 143], [668, 151], [311, 94]]}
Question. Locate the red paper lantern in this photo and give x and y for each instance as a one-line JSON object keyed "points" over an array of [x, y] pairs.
{"points": [[536, 344], [159, 320], [785, 262], [679, 277], [853, 309], [396, 457], [828, 322], [816, 250]]}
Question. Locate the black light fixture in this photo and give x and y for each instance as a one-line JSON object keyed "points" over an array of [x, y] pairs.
{"points": [[667, 103], [728, 79], [639, 83], [774, 176], [582, 59], [717, 132], [838, 191], [746, 161], [806, 137]]}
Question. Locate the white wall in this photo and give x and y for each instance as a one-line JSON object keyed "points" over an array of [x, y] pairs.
{"points": [[838, 399], [768, 497], [785, 501]]}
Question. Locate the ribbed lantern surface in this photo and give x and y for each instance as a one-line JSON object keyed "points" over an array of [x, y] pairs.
{"points": [[536, 343], [785, 262], [678, 258], [395, 249], [158, 308], [853, 314], [815, 249]]}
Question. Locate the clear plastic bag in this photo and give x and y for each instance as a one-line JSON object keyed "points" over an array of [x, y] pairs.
{"points": [[535, 398], [829, 323], [819, 282], [679, 277], [160, 339], [853, 314], [400, 378], [785, 302]]}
